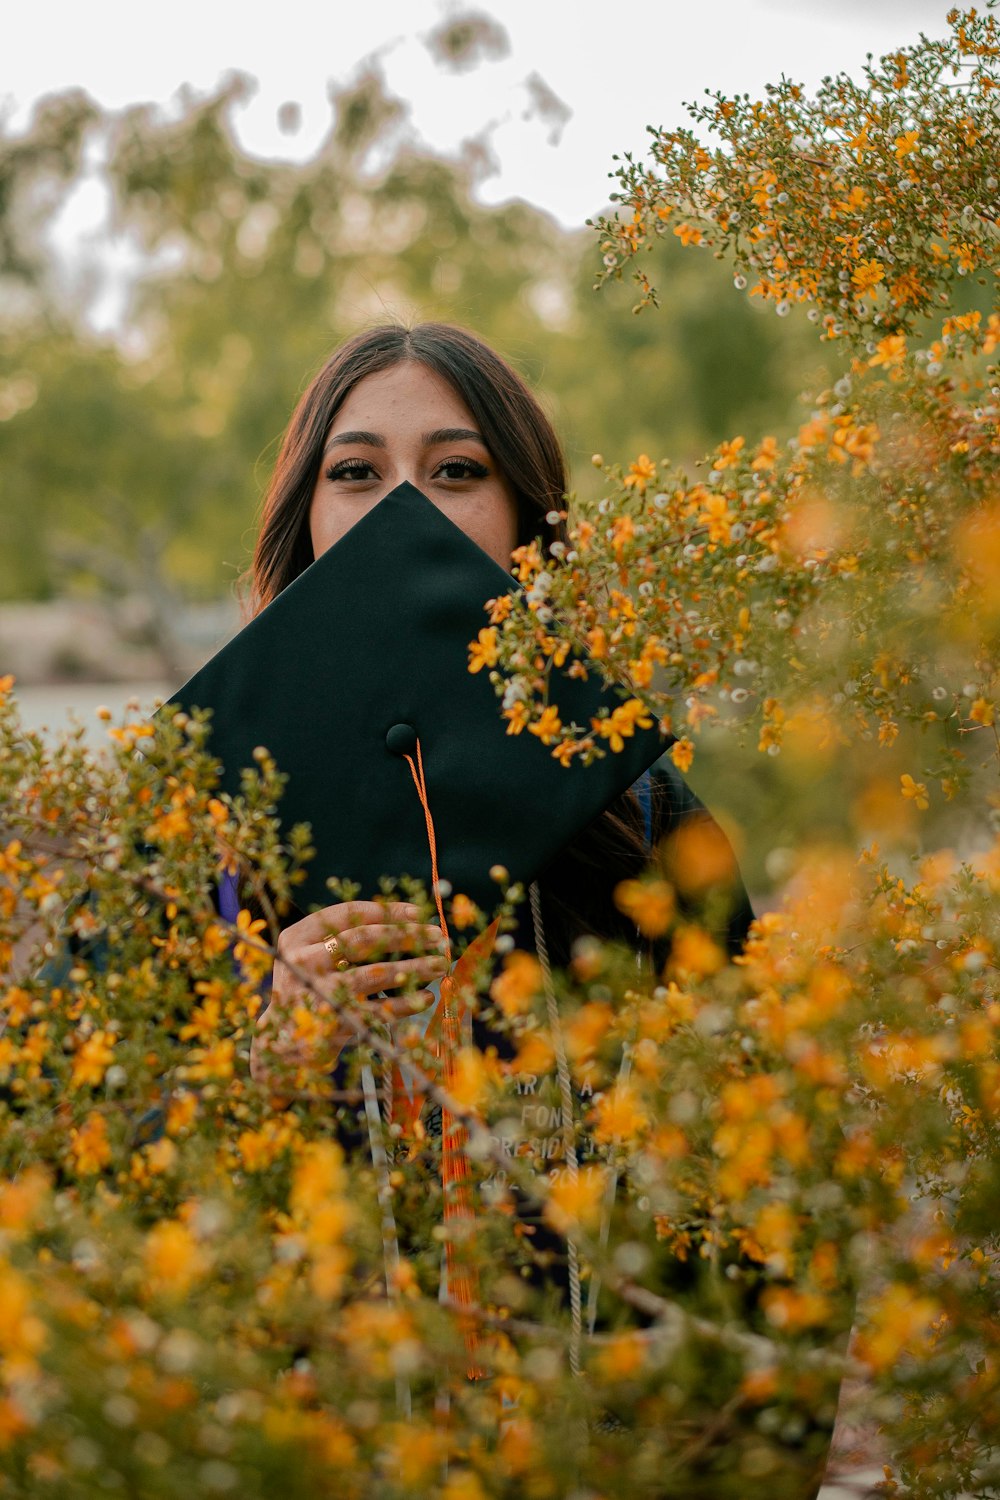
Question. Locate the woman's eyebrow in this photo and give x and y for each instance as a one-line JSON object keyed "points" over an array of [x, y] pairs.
{"points": [[370, 439], [453, 435]]}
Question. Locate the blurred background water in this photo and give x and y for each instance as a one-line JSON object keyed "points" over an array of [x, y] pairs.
{"points": [[55, 706]]}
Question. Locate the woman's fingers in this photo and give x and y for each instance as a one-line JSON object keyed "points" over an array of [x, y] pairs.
{"points": [[365, 930], [368, 979], [303, 945], [400, 1007], [374, 940], [348, 914], [326, 982]]}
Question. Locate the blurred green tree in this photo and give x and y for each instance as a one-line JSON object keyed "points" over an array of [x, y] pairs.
{"points": [[127, 462]]}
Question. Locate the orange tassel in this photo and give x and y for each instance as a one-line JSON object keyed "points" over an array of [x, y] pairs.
{"points": [[445, 1038]]}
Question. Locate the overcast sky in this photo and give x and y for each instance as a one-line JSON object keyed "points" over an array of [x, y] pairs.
{"points": [[616, 69]]}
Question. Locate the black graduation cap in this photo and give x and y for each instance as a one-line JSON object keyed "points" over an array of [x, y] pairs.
{"points": [[362, 655]]}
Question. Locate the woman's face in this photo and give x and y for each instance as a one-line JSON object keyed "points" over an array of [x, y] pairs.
{"points": [[408, 423]]}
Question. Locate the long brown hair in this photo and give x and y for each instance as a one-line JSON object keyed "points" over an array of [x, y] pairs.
{"points": [[577, 888]]}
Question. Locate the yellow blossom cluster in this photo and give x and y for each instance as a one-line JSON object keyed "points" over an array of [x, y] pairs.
{"points": [[808, 194]]}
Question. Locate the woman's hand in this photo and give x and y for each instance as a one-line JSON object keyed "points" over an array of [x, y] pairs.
{"points": [[373, 938]]}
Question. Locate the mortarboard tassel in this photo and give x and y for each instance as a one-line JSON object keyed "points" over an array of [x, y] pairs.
{"points": [[446, 1040]]}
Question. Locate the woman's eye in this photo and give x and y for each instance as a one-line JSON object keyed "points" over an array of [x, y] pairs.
{"points": [[350, 468], [461, 468]]}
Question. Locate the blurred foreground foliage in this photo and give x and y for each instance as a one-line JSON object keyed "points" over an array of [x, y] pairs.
{"points": [[193, 1286], [193, 1270]]}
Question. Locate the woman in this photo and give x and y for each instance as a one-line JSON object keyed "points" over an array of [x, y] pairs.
{"points": [[436, 406]]}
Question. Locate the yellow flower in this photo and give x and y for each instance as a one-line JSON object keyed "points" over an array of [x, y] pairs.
{"points": [[759, 1386], [181, 1112], [728, 453], [255, 961], [415, 1454], [576, 1202], [622, 533], [982, 711], [528, 560], [794, 1307], [773, 725], [618, 1115], [642, 667], [468, 1078], [92, 1059], [517, 717], [682, 754], [772, 1238], [688, 234], [318, 1175], [11, 862], [767, 454], [867, 275], [89, 1145], [597, 642], [153, 1161], [700, 856], [173, 1258], [915, 790], [546, 726], [889, 351], [332, 1441], [462, 1484], [565, 751], [22, 1200], [22, 1334], [649, 903], [535, 1055], [128, 735], [717, 517], [464, 912], [521, 980], [259, 1148], [500, 608], [623, 1357], [694, 952], [907, 288], [898, 1322], [214, 940], [587, 1030], [161, 1155], [204, 1022], [640, 473], [484, 651], [216, 1061], [622, 722], [906, 143]]}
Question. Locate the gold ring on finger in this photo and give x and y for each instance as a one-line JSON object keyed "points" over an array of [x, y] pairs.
{"points": [[335, 951]]}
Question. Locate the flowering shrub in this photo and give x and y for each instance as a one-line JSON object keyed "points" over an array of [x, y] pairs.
{"points": [[847, 580], [865, 202], [221, 1286]]}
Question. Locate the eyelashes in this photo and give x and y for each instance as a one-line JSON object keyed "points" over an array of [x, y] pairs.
{"points": [[348, 467], [451, 468], [469, 468]]}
